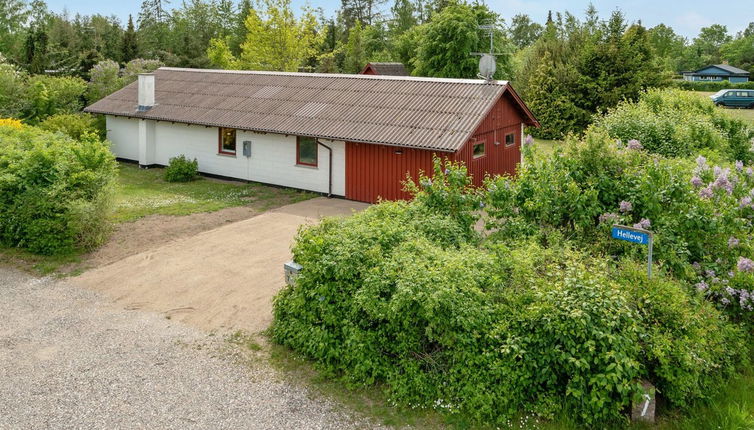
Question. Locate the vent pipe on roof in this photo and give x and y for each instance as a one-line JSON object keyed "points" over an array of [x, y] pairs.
{"points": [[146, 91]]}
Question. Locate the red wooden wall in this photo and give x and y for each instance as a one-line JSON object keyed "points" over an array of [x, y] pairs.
{"points": [[374, 171]]}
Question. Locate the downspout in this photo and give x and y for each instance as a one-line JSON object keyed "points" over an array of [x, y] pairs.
{"points": [[329, 168]]}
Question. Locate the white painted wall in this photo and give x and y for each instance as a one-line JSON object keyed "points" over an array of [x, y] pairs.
{"points": [[123, 134], [272, 161]]}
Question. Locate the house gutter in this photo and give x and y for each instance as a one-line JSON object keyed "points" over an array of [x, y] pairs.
{"points": [[329, 167]]}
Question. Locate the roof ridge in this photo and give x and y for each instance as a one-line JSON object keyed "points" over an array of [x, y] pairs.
{"points": [[342, 76]]}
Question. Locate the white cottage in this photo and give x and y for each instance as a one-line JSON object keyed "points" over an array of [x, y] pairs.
{"points": [[355, 136]]}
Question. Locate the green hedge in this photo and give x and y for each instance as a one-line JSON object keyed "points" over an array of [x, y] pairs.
{"points": [[521, 321], [395, 295], [677, 123], [54, 191], [712, 86]]}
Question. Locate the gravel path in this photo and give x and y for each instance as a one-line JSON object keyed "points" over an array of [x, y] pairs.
{"points": [[69, 359]]}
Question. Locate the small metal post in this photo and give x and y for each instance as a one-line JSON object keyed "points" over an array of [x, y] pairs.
{"points": [[649, 257]]}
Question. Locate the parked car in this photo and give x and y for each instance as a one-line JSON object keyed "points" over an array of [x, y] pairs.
{"points": [[734, 98]]}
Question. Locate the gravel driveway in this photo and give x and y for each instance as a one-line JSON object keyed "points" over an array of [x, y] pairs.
{"points": [[70, 359]]}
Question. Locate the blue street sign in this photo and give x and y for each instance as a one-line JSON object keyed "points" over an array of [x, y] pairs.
{"points": [[636, 235], [630, 235]]}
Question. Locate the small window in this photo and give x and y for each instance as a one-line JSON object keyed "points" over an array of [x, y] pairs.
{"points": [[479, 150], [227, 141], [510, 139], [730, 94], [306, 151]]}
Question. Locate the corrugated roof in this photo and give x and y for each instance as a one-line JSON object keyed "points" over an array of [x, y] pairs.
{"points": [[392, 69], [725, 67], [428, 113], [731, 69]]}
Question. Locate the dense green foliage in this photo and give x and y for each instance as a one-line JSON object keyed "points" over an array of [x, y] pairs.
{"points": [[678, 123], [575, 71], [181, 169], [77, 126], [712, 86], [54, 190], [410, 295]]}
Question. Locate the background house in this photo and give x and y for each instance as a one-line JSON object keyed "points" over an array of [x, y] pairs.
{"points": [[355, 136], [717, 72], [392, 69]]}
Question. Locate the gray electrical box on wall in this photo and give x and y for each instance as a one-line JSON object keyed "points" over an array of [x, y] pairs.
{"points": [[247, 148]]}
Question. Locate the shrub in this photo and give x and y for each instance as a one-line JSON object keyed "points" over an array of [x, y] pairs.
{"points": [[49, 95], [54, 190], [677, 123], [181, 169], [402, 294], [12, 87], [10, 122], [700, 214], [712, 86], [396, 295], [74, 125]]}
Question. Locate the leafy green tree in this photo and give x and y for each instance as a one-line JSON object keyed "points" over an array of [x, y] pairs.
{"points": [[404, 17], [104, 79], [277, 40], [13, 14], [406, 46], [35, 50], [153, 26], [220, 55], [50, 95], [523, 31], [355, 54], [130, 42], [12, 89], [709, 41], [447, 43]]}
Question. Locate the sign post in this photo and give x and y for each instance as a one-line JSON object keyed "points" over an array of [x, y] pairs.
{"points": [[636, 235]]}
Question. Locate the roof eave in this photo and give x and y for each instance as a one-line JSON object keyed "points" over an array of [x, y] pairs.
{"points": [[142, 115]]}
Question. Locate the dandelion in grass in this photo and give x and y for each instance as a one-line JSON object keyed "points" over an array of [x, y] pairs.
{"points": [[733, 242], [634, 145], [625, 206], [696, 181], [745, 265]]}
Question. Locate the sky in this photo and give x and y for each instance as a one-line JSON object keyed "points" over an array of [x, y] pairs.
{"points": [[686, 17]]}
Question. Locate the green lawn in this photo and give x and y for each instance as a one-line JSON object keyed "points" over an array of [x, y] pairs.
{"points": [[546, 147], [142, 192]]}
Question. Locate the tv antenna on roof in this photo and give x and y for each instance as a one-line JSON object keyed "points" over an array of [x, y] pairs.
{"points": [[488, 62]]}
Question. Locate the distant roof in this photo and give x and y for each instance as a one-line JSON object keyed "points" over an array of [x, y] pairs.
{"points": [[392, 69], [726, 67], [427, 113]]}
